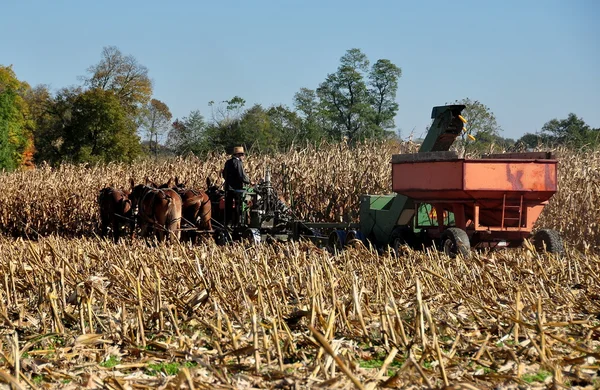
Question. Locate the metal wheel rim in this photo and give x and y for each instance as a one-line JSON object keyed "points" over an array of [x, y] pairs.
{"points": [[449, 247]]}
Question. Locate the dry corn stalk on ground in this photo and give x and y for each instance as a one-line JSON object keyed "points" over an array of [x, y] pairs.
{"points": [[84, 312], [80, 312]]}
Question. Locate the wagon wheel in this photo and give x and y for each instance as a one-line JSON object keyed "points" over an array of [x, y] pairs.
{"points": [[353, 237], [456, 241], [252, 235], [222, 237], [402, 237], [548, 240]]}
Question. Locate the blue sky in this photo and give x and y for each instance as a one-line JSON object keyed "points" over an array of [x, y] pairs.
{"points": [[529, 61]]}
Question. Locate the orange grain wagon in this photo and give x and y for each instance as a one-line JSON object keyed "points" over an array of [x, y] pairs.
{"points": [[496, 200]]}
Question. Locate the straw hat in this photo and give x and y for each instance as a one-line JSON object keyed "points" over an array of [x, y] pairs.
{"points": [[238, 150]]}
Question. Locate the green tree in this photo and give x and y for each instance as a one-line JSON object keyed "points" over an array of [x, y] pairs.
{"points": [[262, 130], [532, 141], [99, 130], [16, 126], [344, 97], [189, 135], [383, 86], [482, 129], [312, 126], [255, 130], [572, 131], [54, 115], [225, 130], [227, 111], [356, 102], [156, 120], [41, 104], [124, 76], [286, 126]]}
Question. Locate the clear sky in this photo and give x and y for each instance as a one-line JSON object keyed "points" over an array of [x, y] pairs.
{"points": [[529, 61]]}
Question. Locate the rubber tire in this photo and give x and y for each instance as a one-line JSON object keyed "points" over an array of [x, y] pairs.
{"points": [[337, 240], [455, 241], [402, 235], [551, 238]]}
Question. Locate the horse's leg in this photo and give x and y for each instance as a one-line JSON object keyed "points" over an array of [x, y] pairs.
{"points": [[187, 235], [195, 218], [174, 221], [135, 222], [103, 227], [207, 214], [116, 229], [145, 232], [160, 224], [161, 233], [176, 229]]}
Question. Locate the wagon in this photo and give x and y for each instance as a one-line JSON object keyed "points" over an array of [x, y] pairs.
{"points": [[494, 200]]}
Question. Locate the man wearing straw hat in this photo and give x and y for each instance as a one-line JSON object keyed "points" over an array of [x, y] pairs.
{"points": [[235, 179]]}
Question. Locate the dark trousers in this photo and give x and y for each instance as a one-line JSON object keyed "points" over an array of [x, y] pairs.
{"points": [[232, 216]]}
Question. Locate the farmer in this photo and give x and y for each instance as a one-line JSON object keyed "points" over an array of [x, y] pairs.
{"points": [[235, 179]]}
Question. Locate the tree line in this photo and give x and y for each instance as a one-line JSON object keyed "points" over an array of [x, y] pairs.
{"points": [[113, 116]]}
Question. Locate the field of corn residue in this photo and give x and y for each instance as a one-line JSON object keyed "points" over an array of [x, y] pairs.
{"points": [[77, 311]]}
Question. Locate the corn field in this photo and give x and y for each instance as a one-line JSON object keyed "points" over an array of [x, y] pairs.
{"points": [[80, 312]]}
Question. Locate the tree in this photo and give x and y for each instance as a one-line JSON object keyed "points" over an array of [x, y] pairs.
{"points": [[481, 125], [41, 103], [255, 130], [124, 76], [286, 125], [344, 96], [312, 126], [532, 141], [99, 130], [383, 85], [156, 121], [572, 131], [227, 111], [53, 115], [16, 126], [350, 107], [188, 135]]}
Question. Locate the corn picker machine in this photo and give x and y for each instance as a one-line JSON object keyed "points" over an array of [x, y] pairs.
{"points": [[439, 199]]}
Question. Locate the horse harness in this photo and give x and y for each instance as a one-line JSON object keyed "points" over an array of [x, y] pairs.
{"points": [[151, 218], [123, 200], [202, 203]]}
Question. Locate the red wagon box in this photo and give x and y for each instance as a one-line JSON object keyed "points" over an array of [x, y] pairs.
{"points": [[496, 193]]}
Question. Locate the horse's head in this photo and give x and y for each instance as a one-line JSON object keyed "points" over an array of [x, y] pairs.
{"points": [[137, 192], [150, 183], [212, 189], [179, 184], [180, 187], [168, 184], [126, 204]]}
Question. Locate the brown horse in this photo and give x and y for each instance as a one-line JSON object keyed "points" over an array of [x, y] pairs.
{"points": [[158, 209], [217, 200], [115, 211], [196, 208]]}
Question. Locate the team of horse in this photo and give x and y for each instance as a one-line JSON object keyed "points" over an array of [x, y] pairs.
{"points": [[171, 211]]}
